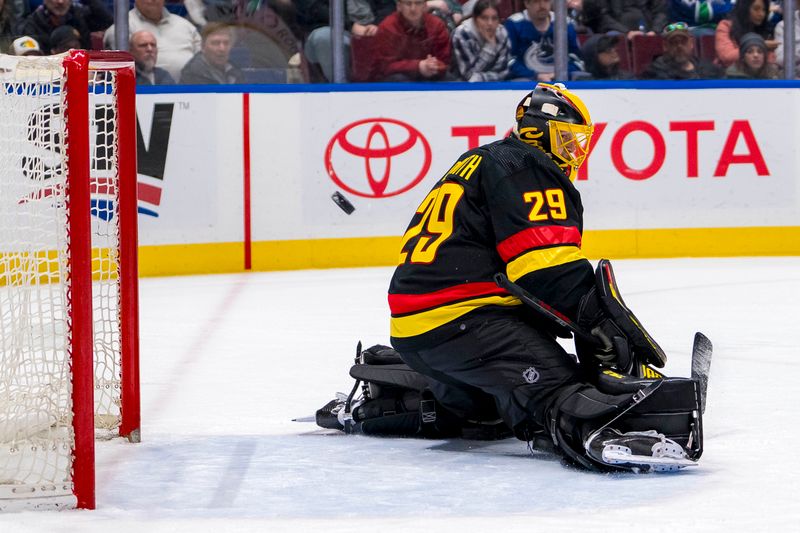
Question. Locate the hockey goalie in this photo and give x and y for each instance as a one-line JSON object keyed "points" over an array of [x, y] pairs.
{"points": [[490, 273]]}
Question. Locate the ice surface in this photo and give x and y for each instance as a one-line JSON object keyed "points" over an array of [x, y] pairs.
{"points": [[227, 361]]}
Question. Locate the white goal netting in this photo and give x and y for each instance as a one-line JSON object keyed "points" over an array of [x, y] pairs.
{"points": [[36, 406]]}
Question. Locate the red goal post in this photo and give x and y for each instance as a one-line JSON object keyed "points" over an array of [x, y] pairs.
{"points": [[69, 344]]}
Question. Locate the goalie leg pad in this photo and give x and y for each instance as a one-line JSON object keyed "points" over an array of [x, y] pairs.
{"points": [[674, 410], [638, 451], [669, 407], [395, 401], [405, 414]]}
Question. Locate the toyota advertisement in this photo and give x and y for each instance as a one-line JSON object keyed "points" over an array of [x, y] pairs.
{"points": [[264, 167]]}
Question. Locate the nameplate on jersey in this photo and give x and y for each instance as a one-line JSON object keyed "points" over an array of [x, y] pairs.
{"points": [[464, 167]]}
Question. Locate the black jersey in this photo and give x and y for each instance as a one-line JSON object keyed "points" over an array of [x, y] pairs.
{"points": [[502, 207]]}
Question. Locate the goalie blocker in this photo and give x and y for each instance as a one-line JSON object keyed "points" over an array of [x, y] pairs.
{"points": [[620, 422]]}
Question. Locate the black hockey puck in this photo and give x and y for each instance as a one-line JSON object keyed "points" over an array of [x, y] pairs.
{"points": [[343, 203]]}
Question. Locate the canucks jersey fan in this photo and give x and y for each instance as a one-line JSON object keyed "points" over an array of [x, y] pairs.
{"points": [[532, 41], [510, 207]]}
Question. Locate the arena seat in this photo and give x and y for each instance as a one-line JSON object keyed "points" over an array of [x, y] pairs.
{"points": [[705, 47], [644, 48], [240, 56], [361, 58], [623, 49], [264, 75], [505, 8], [96, 40]]}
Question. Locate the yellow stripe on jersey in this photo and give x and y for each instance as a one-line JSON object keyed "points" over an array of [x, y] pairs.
{"points": [[425, 321], [542, 258]]}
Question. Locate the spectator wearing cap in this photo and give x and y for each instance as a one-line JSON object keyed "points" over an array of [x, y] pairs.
{"points": [[752, 63], [480, 45], [211, 65], [64, 38], [25, 46], [601, 58], [144, 49], [679, 62], [8, 21], [178, 39], [86, 17]]}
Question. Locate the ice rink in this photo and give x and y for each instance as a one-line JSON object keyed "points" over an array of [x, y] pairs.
{"points": [[227, 361]]}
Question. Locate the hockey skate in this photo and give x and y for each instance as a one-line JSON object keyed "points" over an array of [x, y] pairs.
{"points": [[638, 451], [333, 414]]}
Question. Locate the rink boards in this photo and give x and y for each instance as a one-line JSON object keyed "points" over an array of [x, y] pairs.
{"points": [[243, 180]]}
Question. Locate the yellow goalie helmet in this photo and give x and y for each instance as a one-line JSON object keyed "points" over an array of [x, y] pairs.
{"points": [[554, 120]]}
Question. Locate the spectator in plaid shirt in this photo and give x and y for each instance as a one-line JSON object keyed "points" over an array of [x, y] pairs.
{"points": [[480, 45]]}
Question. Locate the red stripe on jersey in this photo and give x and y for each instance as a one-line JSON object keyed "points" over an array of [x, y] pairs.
{"points": [[537, 237], [401, 304]]}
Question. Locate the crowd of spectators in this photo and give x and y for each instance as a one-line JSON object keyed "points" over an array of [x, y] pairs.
{"points": [[241, 41], [177, 39]]}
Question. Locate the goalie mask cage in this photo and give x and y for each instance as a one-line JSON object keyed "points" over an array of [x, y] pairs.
{"points": [[68, 272]]}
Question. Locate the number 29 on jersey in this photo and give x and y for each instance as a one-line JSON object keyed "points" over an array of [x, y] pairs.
{"points": [[434, 226]]}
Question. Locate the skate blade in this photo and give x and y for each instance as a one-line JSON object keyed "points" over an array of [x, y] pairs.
{"points": [[622, 456]]}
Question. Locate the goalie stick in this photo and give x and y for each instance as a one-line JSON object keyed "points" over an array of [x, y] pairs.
{"points": [[701, 365], [702, 351], [567, 326]]}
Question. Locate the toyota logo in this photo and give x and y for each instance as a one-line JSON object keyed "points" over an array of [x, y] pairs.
{"points": [[377, 157]]}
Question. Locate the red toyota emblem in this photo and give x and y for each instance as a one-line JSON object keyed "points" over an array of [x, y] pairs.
{"points": [[377, 157]]}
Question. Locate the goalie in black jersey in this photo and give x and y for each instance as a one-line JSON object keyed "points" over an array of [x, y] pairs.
{"points": [[510, 207]]}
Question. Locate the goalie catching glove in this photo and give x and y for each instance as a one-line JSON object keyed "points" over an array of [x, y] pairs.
{"points": [[622, 340]]}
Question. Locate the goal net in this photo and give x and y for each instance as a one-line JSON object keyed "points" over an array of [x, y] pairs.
{"points": [[68, 271]]}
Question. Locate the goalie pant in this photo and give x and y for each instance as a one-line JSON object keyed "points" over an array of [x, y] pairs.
{"points": [[501, 363]]}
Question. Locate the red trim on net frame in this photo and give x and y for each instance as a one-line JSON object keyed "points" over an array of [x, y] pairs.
{"points": [[130, 408], [79, 265]]}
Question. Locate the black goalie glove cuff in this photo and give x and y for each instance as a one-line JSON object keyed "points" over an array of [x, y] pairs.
{"points": [[621, 336]]}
